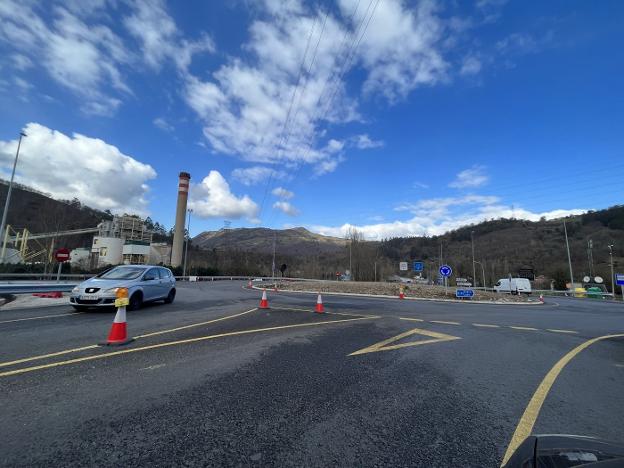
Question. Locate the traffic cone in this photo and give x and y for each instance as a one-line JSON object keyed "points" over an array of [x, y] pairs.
{"points": [[401, 293], [319, 304], [541, 298], [264, 303], [118, 333]]}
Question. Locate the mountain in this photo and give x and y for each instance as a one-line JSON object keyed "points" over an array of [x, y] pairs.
{"points": [[295, 241]]}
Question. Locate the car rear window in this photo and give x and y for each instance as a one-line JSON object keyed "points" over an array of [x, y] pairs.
{"points": [[164, 273]]}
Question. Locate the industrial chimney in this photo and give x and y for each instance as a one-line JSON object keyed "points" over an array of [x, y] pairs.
{"points": [[178, 235]]}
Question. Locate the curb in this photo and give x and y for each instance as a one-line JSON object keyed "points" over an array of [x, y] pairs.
{"points": [[384, 296]]}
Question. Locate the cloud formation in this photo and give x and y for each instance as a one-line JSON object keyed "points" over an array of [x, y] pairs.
{"points": [[95, 172], [436, 216], [212, 198], [282, 193], [286, 208], [258, 174], [470, 178]]}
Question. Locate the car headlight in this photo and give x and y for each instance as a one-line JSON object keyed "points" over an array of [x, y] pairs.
{"points": [[111, 290], [76, 289]]}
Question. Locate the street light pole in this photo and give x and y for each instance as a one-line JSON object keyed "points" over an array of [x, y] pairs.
{"points": [[565, 230], [612, 274], [188, 235], [8, 198], [482, 273], [474, 274]]}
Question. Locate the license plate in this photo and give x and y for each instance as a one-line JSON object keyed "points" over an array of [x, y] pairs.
{"points": [[89, 297]]}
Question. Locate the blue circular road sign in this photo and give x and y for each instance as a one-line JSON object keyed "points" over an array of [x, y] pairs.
{"points": [[446, 271]]}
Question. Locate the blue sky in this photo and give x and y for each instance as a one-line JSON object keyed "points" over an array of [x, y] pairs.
{"points": [[397, 117]]}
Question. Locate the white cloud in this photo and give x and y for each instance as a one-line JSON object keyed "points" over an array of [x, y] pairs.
{"points": [[83, 58], [364, 142], [420, 185], [90, 169], [470, 66], [258, 174], [163, 124], [21, 62], [212, 198], [286, 208], [159, 36], [439, 215], [401, 47], [470, 178], [282, 193], [245, 104]]}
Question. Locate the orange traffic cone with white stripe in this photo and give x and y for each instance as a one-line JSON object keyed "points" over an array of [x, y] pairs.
{"points": [[541, 298], [319, 304], [401, 293], [119, 332], [264, 302]]}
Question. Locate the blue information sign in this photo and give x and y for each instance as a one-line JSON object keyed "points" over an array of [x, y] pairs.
{"points": [[464, 293], [619, 279], [446, 271], [418, 266]]}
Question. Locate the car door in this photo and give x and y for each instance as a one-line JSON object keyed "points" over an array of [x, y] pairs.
{"points": [[166, 282], [151, 284]]}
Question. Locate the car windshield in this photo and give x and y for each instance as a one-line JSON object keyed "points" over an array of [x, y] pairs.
{"points": [[123, 273]]}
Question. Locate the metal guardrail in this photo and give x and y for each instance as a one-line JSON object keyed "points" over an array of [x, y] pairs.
{"points": [[37, 276], [31, 288]]}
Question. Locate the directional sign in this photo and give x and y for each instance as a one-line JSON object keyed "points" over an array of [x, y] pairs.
{"points": [[403, 266], [619, 279], [466, 284], [418, 266], [446, 271], [62, 255], [461, 293]]}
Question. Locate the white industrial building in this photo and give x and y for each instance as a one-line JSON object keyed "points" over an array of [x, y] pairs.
{"points": [[125, 239]]}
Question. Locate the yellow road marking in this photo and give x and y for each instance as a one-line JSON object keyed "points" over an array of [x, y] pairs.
{"points": [[412, 319], [444, 322], [555, 330], [44, 356], [486, 325], [527, 421], [42, 317], [227, 317], [75, 350], [523, 328], [383, 345], [170, 343]]}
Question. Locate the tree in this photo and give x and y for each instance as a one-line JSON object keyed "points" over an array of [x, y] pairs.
{"points": [[559, 278]]}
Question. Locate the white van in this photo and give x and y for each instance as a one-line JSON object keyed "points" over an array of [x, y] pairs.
{"points": [[518, 285]]}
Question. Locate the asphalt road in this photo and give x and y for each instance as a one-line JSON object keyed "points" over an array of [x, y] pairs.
{"points": [[213, 381]]}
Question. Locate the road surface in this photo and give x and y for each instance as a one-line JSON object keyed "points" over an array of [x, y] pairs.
{"points": [[211, 380]]}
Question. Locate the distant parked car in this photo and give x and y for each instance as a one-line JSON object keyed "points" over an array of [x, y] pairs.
{"points": [[514, 286], [145, 283]]}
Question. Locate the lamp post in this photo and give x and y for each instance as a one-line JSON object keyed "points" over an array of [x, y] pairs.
{"points": [[188, 235], [474, 274], [612, 274], [565, 230], [482, 272], [8, 198]]}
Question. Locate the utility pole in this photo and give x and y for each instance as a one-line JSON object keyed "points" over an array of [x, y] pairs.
{"points": [[8, 198], [376, 272], [474, 274], [273, 265], [565, 230], [612, 274], [188, 236], [590, 258]]}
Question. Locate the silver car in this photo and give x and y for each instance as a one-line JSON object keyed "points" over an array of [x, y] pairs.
{"points": [[145, 283]]}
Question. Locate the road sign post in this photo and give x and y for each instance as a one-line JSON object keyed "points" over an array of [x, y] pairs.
{"points": [[619, 280], [464, 293], [445, 272], [61, 256]]}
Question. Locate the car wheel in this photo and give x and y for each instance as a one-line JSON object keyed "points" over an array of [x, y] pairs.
{"points": [[80, 308], [170, 297], [136, 300]]}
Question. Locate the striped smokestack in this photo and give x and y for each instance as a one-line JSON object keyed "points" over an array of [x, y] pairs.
{"points": [[178, 235]]}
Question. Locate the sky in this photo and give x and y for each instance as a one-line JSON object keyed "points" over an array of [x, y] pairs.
{"points": [[397, 117]]}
